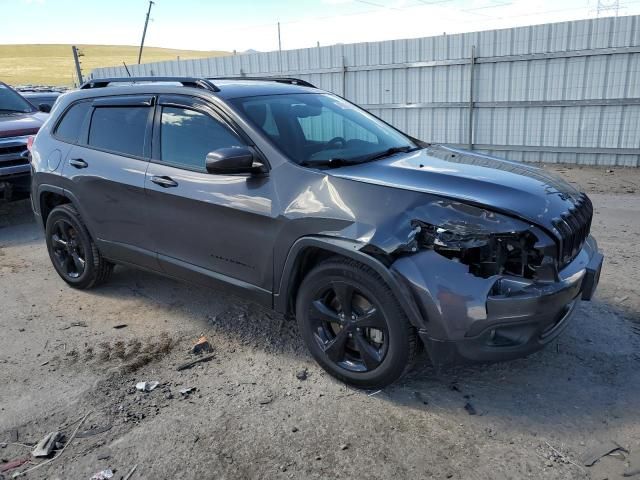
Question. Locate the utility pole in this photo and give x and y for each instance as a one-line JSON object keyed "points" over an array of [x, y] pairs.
{"points": [[279, 41], [144, 32], [279, 48], [76, 60], [605, 6]]}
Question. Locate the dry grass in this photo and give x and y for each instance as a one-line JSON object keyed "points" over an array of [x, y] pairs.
{"points": [[53, 64]]}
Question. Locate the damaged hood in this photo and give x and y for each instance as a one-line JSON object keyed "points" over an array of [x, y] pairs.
{"points": [[522, 190]]}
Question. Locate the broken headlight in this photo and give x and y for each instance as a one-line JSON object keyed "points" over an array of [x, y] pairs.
{"points": [[487, 242]]}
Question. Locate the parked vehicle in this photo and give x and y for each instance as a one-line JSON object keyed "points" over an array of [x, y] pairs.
{"points": [[42, 100], [295, 198], [19, 119]]}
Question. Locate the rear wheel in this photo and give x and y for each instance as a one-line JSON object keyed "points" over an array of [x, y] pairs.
{"points": [[72, 251], [353, 325]]}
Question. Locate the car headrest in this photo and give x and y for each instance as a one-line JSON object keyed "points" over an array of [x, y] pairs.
{"points": [[257, 113]]}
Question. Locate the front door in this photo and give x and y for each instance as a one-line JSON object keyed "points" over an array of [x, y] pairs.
{"points": [[210, 228]]}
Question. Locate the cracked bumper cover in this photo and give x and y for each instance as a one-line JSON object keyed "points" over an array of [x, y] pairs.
{"points": [[473, 319]]}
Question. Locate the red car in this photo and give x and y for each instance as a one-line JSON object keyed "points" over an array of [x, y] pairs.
{"points": [[19, 120]]}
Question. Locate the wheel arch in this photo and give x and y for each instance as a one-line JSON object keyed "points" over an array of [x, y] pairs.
{"points": [[50, 196], [307, 252]]}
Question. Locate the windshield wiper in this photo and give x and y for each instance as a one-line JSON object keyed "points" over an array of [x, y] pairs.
{"points": [[12, 110], [341, 162], [330, 162], [388, 152]]}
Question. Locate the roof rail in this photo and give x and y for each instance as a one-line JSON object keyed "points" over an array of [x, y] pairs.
{"points": [[185, 81], [289, 80]]}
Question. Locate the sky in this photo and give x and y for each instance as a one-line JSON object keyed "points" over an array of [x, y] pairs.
{"points": [[242, 24]]}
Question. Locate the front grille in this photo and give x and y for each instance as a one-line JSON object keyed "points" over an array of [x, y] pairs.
{"points": [[14, 163], [573, 227], [17, 149]]}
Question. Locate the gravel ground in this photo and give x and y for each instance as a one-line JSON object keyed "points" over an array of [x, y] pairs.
{"points": [[63, 360]]}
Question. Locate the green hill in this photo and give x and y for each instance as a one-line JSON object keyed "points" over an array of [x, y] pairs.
{"points": [[53, 64]]}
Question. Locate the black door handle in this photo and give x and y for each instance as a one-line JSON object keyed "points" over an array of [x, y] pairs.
{"points": [[78, 163], [164, 181]]}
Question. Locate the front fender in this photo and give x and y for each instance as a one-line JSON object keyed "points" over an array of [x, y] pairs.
{"points": [[350, 249]]}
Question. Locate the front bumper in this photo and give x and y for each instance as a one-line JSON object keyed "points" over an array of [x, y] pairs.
{"points": [[472, 319]]}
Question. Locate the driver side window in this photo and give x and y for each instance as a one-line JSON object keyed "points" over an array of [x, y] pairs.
{"points": [[186, 136], [329, 125]]}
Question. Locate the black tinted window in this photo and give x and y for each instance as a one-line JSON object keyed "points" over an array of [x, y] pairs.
{"points": [[11, 101], [69, 128], [186, 136], [119, 129]]}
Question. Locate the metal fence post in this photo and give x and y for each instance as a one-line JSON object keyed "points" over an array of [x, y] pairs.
{"points": [[344, 77], [472, 62]]}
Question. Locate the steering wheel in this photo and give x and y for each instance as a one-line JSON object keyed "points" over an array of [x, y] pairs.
{"points": [[336, 142]]}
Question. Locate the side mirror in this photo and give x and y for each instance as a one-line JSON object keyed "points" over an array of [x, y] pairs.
{"points": [[43, 107], [233, 160]]}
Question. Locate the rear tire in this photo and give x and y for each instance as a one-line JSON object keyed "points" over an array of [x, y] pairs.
{"points": [[353, 325], [72, 251]]}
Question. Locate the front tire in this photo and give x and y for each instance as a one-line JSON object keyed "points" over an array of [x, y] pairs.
{"points": [[72, 250], [353, 325]]}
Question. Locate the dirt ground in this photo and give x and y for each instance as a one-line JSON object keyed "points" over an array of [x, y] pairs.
{"points": [[62, 359]]}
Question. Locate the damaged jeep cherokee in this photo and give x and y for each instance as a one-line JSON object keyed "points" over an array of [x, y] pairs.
{"points": [[299, 200]]}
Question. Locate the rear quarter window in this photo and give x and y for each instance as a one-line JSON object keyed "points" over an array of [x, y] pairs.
{"points": [[119, 129], [69, 128]]}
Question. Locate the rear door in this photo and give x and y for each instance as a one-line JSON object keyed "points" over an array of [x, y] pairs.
{"points": [[209, 228], [107, 171]]}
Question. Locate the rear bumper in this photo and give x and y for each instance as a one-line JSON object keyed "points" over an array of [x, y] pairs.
{"points": [[471, 319]]}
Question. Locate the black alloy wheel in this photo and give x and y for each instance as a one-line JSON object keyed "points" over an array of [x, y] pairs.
{"points": [[353, 324], [349, 327], [68, 252], [73, 252]]}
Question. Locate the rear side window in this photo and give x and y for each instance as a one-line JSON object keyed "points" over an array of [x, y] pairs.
{"points": [[119, 129], [186, 136], [69, 127]]}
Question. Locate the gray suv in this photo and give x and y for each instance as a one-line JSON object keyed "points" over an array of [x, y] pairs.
{"points": [[292, 197]]}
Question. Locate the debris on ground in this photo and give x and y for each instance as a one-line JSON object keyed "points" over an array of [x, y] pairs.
{"points": [[344, 446], [18, 462], [94, 431], [557, 456], [147, 386], [103, 475], [634, 465], [202, 346], [47, 445], [75, 324], [470, 409], [601, 449], [122, 325], [302, 374], [104, 454], [187, 391], [190, 364], [128, 475], [265, 400]]}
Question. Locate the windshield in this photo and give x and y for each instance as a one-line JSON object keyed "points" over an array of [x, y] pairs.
{"points": [[11, 101], [315, 129]]}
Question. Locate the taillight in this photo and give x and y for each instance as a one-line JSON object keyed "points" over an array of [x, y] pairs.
{"points": [[30, 142]]}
